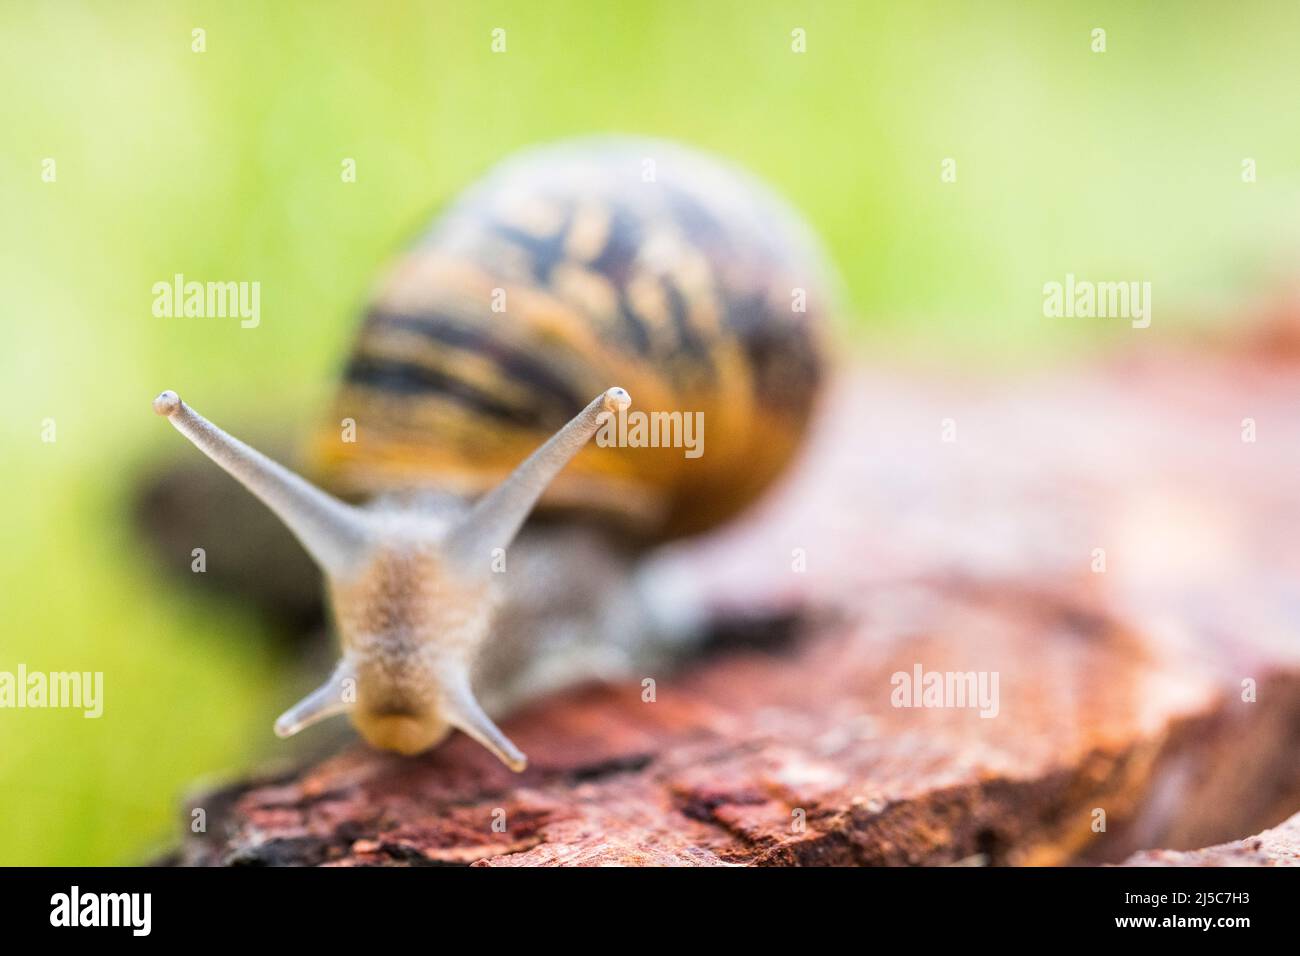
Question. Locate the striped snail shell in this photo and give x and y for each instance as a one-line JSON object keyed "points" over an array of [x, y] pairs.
{"points": [[569, 268]]}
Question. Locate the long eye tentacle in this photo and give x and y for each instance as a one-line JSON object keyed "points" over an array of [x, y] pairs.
{"points": [[497, 517], [334, 533]]}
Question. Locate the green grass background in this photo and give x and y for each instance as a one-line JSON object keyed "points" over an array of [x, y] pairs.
{"points": [[225, 165]]}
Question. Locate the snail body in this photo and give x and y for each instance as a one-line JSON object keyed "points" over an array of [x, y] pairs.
{"points": [[566, 270]]}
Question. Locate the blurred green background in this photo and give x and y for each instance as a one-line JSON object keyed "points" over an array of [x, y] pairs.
{"points": [[226, 165]]}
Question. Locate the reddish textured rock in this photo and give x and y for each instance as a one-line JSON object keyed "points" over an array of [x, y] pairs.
{"points": [[1277, 847], [1120, 691]]}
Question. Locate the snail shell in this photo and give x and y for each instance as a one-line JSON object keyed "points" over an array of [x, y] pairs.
{"points": [[568, 268]]}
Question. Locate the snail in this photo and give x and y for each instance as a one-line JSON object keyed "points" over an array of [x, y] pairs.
{"points": [[478, 547]]}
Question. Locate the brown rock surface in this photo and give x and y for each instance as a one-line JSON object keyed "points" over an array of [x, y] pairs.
{"points": [[1120, 691], [1279, 846]]}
